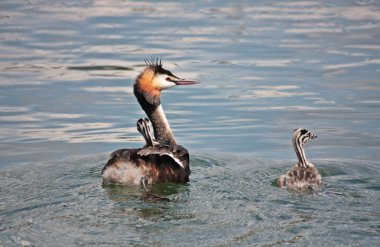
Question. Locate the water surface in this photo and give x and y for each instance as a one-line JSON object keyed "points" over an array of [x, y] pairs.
{"points": [[67, 70]]}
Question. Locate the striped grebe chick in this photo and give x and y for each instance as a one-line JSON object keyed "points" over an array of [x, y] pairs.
{"points": [[304, 174], [161, 159]]}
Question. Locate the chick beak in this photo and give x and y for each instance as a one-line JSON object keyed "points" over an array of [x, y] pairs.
{"points": [[313, 136]]}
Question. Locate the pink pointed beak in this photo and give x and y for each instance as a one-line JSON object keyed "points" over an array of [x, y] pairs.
{"points": [[185, 82]]}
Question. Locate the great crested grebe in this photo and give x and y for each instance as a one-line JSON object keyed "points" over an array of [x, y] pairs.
{"points": [[161, 159], [304, 175]]}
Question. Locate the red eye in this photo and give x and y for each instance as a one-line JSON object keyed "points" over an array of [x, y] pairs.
{"points": [[168, 78]]}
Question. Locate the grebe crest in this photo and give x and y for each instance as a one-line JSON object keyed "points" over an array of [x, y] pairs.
{"points": [[304, 174], [154, 79], [161, 159]]}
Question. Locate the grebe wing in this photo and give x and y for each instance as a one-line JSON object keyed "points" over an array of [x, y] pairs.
{"points": [[152, 147], [178, 153]]}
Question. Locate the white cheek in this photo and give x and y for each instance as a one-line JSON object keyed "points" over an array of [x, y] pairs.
{"points": [[162, 83]]}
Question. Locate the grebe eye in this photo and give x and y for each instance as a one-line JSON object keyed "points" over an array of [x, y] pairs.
{"points": [[168, 79]]}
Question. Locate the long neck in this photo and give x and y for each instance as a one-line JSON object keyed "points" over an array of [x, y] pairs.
{"points": [[300, 152], [160, 124], [153, 109]]}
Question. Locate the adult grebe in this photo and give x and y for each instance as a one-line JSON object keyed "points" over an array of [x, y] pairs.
{"points": [[161, 159], [304, 175]]}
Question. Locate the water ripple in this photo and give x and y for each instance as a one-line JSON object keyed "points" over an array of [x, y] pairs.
{"points": [[67, 70]]}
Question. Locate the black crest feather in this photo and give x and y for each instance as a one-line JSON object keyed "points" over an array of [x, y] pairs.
{"points": [[154, 64]]}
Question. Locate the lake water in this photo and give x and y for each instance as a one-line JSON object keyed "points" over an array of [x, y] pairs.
{"points": [[266, 67]]}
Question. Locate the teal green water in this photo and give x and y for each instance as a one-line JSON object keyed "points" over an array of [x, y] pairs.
{"points": [[268, 67]]}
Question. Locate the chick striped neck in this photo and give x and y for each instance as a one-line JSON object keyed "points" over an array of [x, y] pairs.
{"points": [[300, 152]]}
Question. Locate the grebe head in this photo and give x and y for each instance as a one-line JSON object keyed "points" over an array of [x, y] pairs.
{"points": [[147, 90], [156, 78], [302, 136], [163, 78]]}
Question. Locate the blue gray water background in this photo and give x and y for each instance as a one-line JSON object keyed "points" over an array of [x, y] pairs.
{"points": [[266, 67]]}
